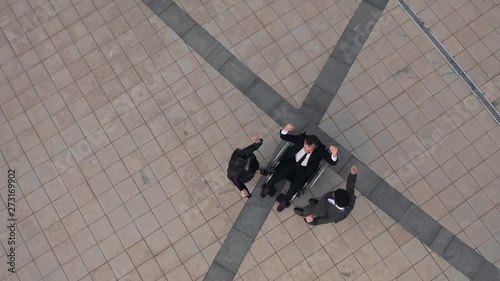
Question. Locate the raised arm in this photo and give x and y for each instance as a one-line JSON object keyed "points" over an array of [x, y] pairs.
{"points": [[285, 136], [351, 179], [254, 146], [331, 157]]}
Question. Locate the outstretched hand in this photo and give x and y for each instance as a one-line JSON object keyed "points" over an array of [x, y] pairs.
{"points": [[333, 150], [255, 138], [289, 127]]}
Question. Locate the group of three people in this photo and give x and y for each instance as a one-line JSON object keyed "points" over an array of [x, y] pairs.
{"points": [[298, 163]]}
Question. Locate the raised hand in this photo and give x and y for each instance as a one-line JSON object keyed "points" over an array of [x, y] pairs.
{"points": [[289, 127], [333, 150], [354, 170], [255, 138]]}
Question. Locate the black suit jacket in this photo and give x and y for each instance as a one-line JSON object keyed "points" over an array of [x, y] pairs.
{"points": [[325, 212], [314, 160], [236, 168]]}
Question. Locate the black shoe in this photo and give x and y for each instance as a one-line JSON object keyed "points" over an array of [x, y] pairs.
{"points": [[265, 190], [299, 211], [281, 206], [313, 201]]}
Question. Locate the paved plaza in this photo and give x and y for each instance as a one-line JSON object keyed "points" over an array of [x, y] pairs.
{"points": [[118, 119]]}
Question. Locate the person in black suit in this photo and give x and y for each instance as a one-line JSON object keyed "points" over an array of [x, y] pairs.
{"points": [[300, 160], [334, 206], [243, 165]]}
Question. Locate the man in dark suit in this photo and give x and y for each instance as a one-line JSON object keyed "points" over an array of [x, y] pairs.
{"points": [[300, 161], [333, 206], [243, 165]]}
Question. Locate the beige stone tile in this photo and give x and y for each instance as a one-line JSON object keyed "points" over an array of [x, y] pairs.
{"points": [[261, 250], [489, 249], [303, 272], [111, 246], [379, 272], [478, 233], [492, 193], [64, 205], [139, 253], [451, 197], [149, 270], [350, 265], [435, 208], [464, 215], [147, 224], [483, 174], [83, 240], [454, 169], [320, 262], [332, 274], [47, 263], [101, 229], [367, 256], [384, 141], [338, 250], [450, 223], [186, 248], [121, 264], [29, 272]]}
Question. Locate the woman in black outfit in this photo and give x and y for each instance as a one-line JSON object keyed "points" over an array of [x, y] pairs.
{"points": [[243, 166]]}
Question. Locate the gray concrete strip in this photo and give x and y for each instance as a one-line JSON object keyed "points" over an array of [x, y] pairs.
{"points": [[379, 4], [177, 19], [441, 241], [217, 272], [235, 248], [349, 45], [420, 224], [250, 222], [389, 200], [201, 41], [342, 57], [333, 73], [487, 272], [464, 258], [219, 57], [365, 18], [238, 74], [158, 7], [263, 95], [285, 113]]}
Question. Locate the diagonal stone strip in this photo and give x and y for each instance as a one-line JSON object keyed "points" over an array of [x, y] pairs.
{"points": [[341, 59], [377, 190]]}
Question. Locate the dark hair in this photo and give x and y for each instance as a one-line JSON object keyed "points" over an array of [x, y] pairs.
{"points": [[341, 198], [312, 140]]}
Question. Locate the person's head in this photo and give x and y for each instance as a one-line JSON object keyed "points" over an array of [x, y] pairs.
{"points": [[341, 198], [310, 143]]}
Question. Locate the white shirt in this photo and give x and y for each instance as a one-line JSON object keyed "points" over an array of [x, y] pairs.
{"points": [[301, 153], [332, 201]]}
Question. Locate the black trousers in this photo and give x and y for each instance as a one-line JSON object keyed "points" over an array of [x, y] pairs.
{"points": [[289, 169]]}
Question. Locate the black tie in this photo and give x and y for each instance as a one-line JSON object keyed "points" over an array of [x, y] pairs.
{"points": [[302, 159]]}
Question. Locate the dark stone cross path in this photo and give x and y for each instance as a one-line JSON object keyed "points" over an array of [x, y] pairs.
{"points": [[378, 191]]}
